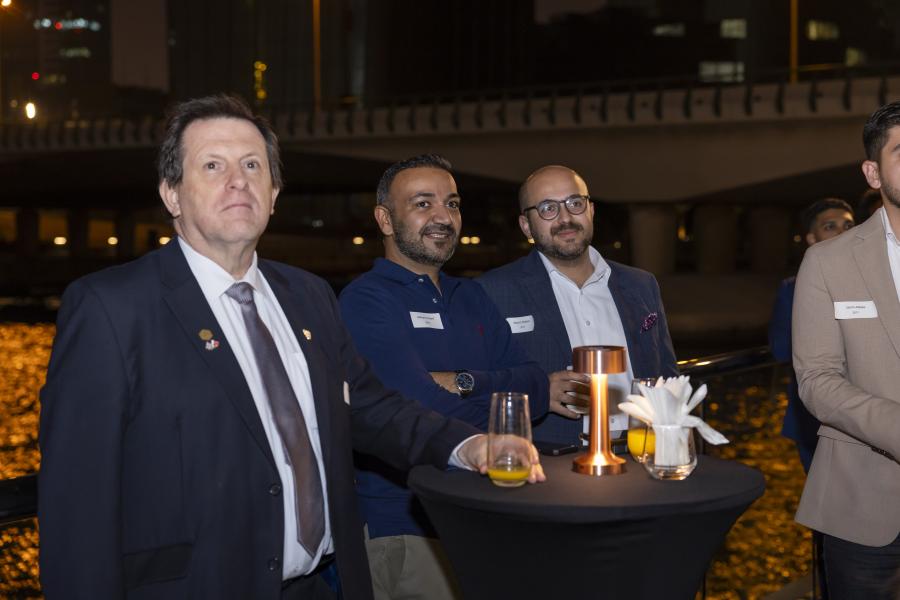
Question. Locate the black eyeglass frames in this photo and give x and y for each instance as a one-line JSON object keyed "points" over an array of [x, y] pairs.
{"points": [[549, 209]]}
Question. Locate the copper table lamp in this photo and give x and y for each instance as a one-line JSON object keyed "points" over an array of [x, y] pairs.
{"points": [[598, 362]]}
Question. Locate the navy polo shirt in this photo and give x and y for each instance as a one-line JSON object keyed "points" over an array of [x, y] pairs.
{"points": [[406, 329]]}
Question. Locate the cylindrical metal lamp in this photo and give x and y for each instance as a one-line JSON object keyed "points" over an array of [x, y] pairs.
{"points": [[598, 362]]}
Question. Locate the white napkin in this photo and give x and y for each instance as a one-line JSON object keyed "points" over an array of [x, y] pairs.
{"points": [[670, 402]]}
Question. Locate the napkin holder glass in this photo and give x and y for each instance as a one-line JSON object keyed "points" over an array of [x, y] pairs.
{"points": [[674, 455]]}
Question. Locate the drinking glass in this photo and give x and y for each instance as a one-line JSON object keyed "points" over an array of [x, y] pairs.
{"points": [[674, 455], [509, 439], [641, 439]]}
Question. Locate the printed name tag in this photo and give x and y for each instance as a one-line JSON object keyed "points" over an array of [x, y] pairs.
{"points": [[426, 320], [521, 324], [859, 309]]}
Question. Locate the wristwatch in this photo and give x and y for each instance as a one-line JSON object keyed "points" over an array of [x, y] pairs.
{"points": [[465, 383]]}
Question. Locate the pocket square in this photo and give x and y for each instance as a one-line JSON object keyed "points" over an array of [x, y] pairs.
{"points": [[346, 393], [649, 322]]}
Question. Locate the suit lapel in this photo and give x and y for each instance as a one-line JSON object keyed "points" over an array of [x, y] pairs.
{"points": [[870, 254], [183, 295], [301, 314], [632, 311], [536, 282]]}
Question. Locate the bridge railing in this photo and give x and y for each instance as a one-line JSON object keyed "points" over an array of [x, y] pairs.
{"points": [[810, 90]]}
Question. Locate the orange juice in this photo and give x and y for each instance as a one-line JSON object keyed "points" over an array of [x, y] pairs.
{"points": [[508, 475], [636, 442]]}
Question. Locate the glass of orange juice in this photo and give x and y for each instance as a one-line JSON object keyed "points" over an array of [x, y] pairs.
{"points": [[641, 439], [509, 439]]}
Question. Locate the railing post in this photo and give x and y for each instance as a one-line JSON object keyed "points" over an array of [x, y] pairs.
{"points": [[629, 106], [526, 110], [748, 98], [433, 117], [551, 108], [687, 106], [602, 108], [411, 116], [658, 102]]}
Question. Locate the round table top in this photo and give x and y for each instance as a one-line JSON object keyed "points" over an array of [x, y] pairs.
{"points": [[567, 496]]}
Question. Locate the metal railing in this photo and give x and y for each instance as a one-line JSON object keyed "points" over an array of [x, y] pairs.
{"points": [[18, 496]]}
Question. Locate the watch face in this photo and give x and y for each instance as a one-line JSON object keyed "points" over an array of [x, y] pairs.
{"points": [[465, 382]]}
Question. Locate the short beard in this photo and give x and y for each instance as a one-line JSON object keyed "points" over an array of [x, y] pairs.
{"points": [[415, 249], [891, 194], [551, 250]]}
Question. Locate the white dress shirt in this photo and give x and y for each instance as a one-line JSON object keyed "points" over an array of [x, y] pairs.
{"points": [[893, 249], [214, 281], [592, 319]]}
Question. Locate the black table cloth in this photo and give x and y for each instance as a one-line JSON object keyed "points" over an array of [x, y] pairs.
{"points": [[576, 536]]}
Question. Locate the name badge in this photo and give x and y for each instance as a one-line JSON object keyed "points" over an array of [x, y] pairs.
{"points": [[426, 320], [521, 324], [858, 309]]}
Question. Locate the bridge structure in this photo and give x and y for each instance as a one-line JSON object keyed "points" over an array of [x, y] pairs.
{"points": [[722, 153]]}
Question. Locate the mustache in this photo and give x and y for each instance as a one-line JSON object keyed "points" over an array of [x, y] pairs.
{"points": [[565, 227], [437, 228]]}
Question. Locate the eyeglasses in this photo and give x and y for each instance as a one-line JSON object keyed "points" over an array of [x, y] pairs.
{"points": [[549, 209]]}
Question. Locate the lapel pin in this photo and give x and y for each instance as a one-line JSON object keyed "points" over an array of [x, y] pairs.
{"points": [[307, 334], [207, 336]]}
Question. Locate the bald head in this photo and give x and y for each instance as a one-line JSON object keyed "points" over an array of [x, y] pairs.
{"points": [[548, 178]]}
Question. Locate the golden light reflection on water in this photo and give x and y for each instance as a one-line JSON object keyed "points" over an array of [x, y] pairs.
{"points": [[24, 352], [762, 553]]}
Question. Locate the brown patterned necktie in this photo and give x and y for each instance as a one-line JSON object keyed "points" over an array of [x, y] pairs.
{"points": [[289, 421]]}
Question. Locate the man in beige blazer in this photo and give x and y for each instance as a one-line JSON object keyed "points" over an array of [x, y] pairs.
{"points": [[846, 340]]}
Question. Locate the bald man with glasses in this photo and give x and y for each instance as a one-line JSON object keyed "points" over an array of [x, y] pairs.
{"points": [[564, 294]]}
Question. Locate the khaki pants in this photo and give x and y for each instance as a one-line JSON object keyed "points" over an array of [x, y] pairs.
{"points": [[410, 567]]}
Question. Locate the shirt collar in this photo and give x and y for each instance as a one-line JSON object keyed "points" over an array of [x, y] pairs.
{"points": [[213, 279], [888, 231], [601, 267], [391, 270]]}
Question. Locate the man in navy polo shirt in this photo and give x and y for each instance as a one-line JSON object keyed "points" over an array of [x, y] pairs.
{"points": [[437, 339]]}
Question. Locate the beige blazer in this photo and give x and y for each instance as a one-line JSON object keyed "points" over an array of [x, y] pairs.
{"points": [[848, 371]]}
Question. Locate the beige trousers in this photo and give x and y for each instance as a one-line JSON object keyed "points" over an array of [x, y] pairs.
{"points": [[410, 567]]}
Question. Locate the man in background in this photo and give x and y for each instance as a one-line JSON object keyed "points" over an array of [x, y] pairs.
{"points": [[564, 294], [821, 220], [438, 339]]}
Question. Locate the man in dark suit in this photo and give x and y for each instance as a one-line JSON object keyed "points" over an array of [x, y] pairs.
{"points": [[564, 294], [201, 405]]}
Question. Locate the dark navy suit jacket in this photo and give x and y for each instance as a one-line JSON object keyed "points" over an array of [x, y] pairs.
{"points": [[157, 480], [799, 425], [523, 288]]}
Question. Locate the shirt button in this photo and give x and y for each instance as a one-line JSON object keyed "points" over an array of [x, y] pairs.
{"points": [[588, 323], [273, 564], [275, 489]]}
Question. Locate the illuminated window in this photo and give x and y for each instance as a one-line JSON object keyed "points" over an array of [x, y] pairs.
{"points": [[733, 28], [7, 225], [669, 30], [854, 57], [100, 231], [822, 30], [724, 71], [259, 80]]}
